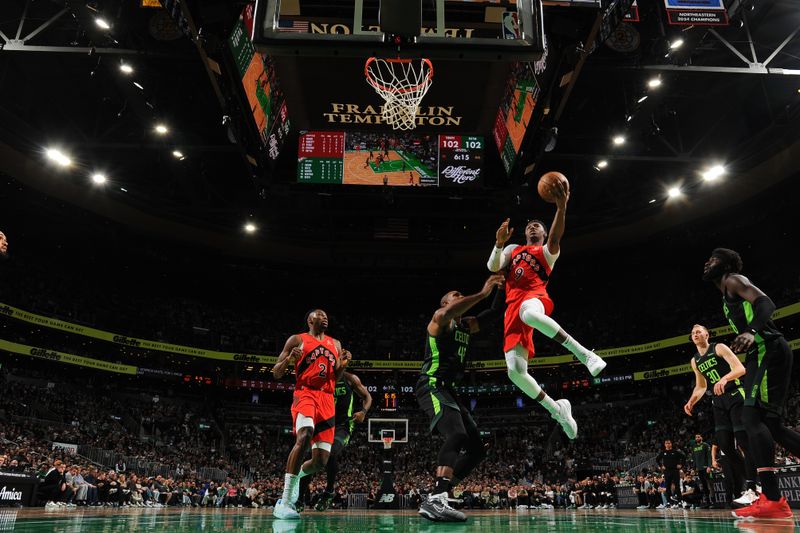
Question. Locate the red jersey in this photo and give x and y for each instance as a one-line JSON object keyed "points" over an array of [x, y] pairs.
{"points": [[528, 274], [315, 368]]}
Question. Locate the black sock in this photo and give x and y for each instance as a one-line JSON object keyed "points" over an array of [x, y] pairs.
{"points": [[442, 485], [751, 485], [769, 484]]}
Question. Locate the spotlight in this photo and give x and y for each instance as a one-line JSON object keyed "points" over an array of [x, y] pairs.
{"points": [[101, 23], [161, 129], [250, 227], [139, 86], [654, 82], [628, 118], [642, 99], [602, 164], [713, 173], [677, 43], [619, 140], [652, 201], [126, 68], [178, 154], [674, 192], [58, 157], [98, 179]]}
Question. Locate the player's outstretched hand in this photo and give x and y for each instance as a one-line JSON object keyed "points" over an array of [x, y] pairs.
{"points": [[503, 233], [346, 357], [359, 417], [560, 193], [495, 280], [688, 408]]}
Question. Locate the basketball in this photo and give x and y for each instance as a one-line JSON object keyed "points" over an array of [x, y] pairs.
{"points": [[547, 182]]}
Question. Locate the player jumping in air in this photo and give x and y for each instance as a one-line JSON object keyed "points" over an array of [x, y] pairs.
{"points": [[346, 419], [528, 306], [715, 364], [766, 384], [446, 356], [319, 362]]}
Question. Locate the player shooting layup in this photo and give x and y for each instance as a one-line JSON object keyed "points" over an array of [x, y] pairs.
{"points": [[529, 306]]}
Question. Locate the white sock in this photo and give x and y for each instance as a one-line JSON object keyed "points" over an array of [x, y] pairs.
{"points": [[289, 483], [301, 474], [577, 349], [518, 373]]}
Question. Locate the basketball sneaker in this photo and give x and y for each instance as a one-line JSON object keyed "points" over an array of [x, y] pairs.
{"points": [[437, 509], [285, 511], [595, 364], [564, 417], [747, 498], [324, 502], [764, 508]]}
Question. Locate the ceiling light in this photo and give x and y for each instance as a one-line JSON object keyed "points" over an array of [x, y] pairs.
{"points": [[677, 43], [178, 154], [654, 82], [618, 140], [713, 173], [250, 227], [139, 86], [602, 164], [161, 129], [58, 157], [652, 201], [126, 68], [642, 99], [674, 192], [123, 189], [98, 178], [101, 22]]}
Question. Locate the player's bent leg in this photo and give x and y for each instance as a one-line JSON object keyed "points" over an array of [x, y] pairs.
{"points": [[561, 410], [475, 451], [436, 507], [285, 508], [532, 312]]}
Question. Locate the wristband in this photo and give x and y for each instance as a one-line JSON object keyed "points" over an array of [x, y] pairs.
{"points": [[752, 331]]}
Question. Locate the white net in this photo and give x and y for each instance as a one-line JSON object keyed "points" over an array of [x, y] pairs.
{"points": [[402, 83]]}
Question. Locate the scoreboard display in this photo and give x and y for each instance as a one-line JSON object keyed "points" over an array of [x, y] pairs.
{"points": [[398, 159], [460, 160], [320, 157]]}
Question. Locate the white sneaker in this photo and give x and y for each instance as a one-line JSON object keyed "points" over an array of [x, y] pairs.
{"points": [[51, 505], [564, 417], [747, 498], [595, 364], [285, 511], [641, 507], [661, 506]]}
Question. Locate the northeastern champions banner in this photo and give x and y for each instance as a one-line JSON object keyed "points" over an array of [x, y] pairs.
{"points": [[696, 12]]}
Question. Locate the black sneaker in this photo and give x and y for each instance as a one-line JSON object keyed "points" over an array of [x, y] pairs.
{"points": [[324, 502], [437, 509]]}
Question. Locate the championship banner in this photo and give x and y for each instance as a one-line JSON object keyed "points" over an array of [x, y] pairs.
{"points": [[59, 357], [86, 331], [696, 12]]}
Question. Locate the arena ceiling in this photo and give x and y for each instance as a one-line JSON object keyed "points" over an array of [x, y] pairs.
{"points": [[729, 95]]}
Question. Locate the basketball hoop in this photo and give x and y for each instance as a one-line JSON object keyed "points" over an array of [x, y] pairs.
{"points": [[387, 442], [402, 84]]}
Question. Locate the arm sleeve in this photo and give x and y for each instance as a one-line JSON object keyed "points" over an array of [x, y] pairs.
{"points": [[490, 315], [763, 308], [499, 258], [551, 258]]}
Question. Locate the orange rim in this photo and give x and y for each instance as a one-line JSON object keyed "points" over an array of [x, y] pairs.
{"points": [[375, 83]]}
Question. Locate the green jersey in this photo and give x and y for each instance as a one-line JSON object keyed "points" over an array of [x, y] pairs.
{"points": [[740, 314], [713, 367], [343, 400], [446, 355]]}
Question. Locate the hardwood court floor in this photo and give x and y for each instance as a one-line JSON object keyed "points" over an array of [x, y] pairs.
{"points": [[236, 520]]}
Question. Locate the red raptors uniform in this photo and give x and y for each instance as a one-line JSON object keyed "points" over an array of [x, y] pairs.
{"points": [[316, 381], [528, 274]]}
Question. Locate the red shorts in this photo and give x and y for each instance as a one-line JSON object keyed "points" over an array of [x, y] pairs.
{"points": [[319, 407], [517, 331]]}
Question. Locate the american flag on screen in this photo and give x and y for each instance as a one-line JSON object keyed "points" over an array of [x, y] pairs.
{"points": [[293, 26]]}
